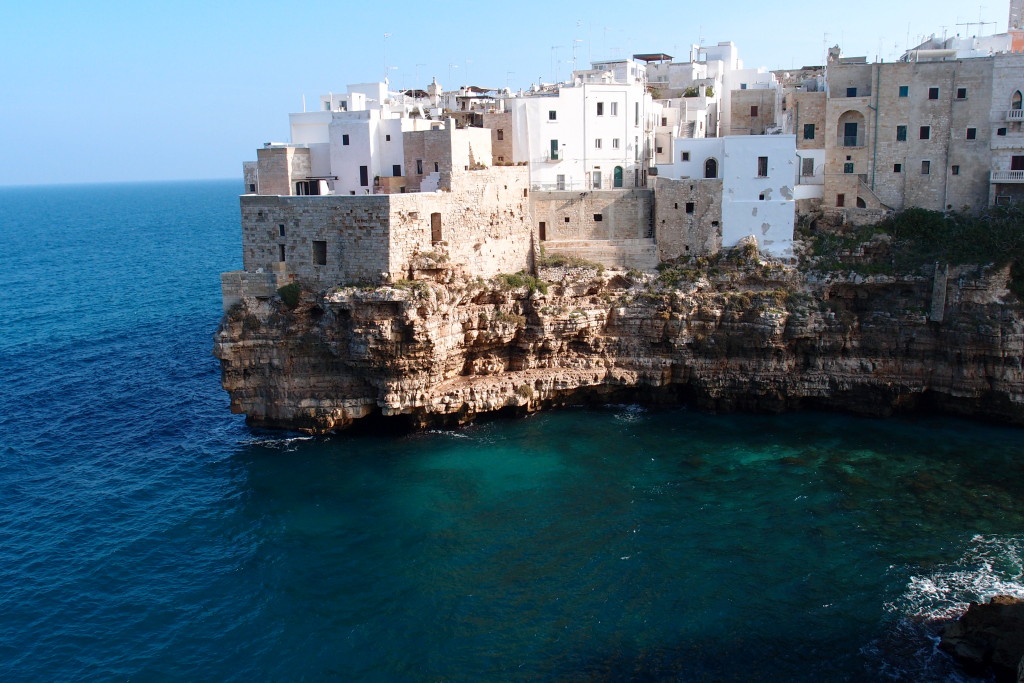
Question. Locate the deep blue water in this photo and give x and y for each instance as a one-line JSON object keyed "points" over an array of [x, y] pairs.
{"points": [[147, 534]]}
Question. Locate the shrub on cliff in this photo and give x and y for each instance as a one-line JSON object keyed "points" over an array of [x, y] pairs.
{"points": [[520, 280], [290, 294]]}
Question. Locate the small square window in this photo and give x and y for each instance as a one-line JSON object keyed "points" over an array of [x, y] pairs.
{"points": [[904, 91], [933, 93], [897, 168], [761, 196], [501, 134], [956, 169], [598, 217], [613, 108], [319, 252], [926, 132], [684, 156], [1001, 131], [252, 187], [344, 139], [664, 121], [926, 167], [851, 92], [762, 167], [848, 167], [840, 200], [808, 131], [901, 133], [387, 138], [657, 150], [600, 108], [689, 207], [972, 133], [597, 143], [552, 115], [615, 143], [753, 110], [961, 93], [566, 219]]}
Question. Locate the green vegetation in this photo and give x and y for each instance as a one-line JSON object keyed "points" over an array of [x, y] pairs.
{"points": [[525, 391], [418, 288], [912, 239], [520, 280], [563, 261], [290, 294], [691, 91]]}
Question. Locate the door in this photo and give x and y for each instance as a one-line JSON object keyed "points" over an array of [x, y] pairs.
{"points": [[554, 150], [618, 176], [1017, 163], [597, 180], [850, 134]]}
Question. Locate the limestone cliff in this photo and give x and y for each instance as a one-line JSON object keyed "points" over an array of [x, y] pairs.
{"points": [[750, 336]]}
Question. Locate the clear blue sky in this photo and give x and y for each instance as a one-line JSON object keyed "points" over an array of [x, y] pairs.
{"points": [[118, 91]]}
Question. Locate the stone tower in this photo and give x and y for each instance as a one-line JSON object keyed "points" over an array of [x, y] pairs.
{"points": [[1016, 14]]}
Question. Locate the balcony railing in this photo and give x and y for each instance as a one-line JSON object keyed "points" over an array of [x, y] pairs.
{"points": [[850, 141], [1015, 114], [1007, 177]]}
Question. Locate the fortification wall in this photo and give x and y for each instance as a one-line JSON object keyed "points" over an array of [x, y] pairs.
{"points": [[688, 217], [594, 215]]}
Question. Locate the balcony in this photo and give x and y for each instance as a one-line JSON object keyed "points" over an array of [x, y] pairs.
{"points": [[1015, 114], [1007, 177], [850, 141]]}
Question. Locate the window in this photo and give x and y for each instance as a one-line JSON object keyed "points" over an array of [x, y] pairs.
{"points": [[396, 170], [344, 139], [657, 150], [364, 176], [1015, 101], [904, 90], [280, 253], [280, 229], [597, 143], [600, 108], [566, 219], [972, 133], [437, 167], [252, 187], [1001, 131], [926, 132], [664, 121], [435, 228], [956, 169], [319, 252], [615, 143], [613, 108], [762, 167], [553, 147], [933, 93], [901, 133], [753, 110], [419, 167], [689, 207], [840, 200], [761, 197], [848, 167], [598, 217], [961, 93], [926, 167], [552, 115], [597, 180], [560, 184], [807, 167], [808, 131], [636, 114], [387, 138], [851, 92], [743, 86], [897, 168], [684, 156], [711, 168], [501, 134]]}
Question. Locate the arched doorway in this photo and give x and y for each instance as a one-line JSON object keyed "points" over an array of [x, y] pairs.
{"points": [[851, 129], [711, 168], [618, 176]]}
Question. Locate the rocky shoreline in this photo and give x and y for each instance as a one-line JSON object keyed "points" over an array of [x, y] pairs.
{"points": [[735, 334]]}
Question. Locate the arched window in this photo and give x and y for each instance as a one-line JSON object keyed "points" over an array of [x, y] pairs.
{"points": [[711, 168], [861, 204], [1015, 101]]}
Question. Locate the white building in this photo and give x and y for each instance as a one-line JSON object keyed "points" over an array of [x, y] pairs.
{"points": [[593, 133], [759, 179]]}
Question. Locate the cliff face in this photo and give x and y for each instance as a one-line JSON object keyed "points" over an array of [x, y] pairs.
{"points": [[750, 337]]}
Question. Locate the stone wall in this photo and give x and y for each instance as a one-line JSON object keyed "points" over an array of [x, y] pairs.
{"points": [[807, 108], [746, 123], [278, 167], [354, 228], [683, 232], [594, 215], [237, 284], [501, 143]]}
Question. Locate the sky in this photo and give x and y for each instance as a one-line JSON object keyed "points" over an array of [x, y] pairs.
{"points": [[126, 91]]}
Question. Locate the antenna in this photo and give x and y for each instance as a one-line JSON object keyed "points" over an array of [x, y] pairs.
{"points": [[386, 36]]}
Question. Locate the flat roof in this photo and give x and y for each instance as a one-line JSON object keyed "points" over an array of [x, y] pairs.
{"points": [[654, 57]]}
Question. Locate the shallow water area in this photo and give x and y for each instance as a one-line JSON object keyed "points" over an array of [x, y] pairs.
{"points": [[146, 533]]}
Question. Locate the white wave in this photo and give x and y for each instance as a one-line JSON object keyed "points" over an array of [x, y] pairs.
{"points": [[279, 444], [991, 565]]}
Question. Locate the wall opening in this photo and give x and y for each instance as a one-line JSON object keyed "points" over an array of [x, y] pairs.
{"points": [[280, 253], [711, 168], [364, 175], [435, 227], [618, 176], [543, 229], [319, 252]]}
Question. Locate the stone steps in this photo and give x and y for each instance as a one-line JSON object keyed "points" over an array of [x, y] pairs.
{"points": [[641, 254]]}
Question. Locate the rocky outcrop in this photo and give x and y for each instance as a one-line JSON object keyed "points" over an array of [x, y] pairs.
{"points": [[747, 336], [989, 637]]}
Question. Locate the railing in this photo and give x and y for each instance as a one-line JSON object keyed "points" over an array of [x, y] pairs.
{"points": [[564, 186], [1015, 114], [850, 141], [1007, 177]]}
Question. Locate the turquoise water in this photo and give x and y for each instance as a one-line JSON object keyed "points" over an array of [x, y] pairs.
{"points": [[147, 534]]}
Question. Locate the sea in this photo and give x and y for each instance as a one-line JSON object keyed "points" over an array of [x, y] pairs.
{"points": [[147, 534]]}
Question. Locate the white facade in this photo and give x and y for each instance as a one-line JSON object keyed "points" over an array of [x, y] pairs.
{"points": [[758, 173], [588, 135]]}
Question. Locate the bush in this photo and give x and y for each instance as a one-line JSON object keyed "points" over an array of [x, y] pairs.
{"points": [[522, 279], [290, 294]]}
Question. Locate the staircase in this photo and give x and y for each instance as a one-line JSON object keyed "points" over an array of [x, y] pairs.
{"points": [[641, 254]]}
